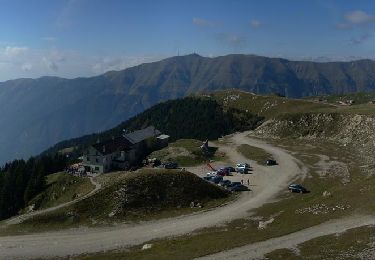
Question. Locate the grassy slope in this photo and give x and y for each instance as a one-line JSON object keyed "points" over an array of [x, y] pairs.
{"points": [[268, 106], [61, 188], [358, 98], [150, 193], [186, 152], [274, 106], [354, 244]]}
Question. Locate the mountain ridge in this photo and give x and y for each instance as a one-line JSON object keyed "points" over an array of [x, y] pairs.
{"points": [[37, 113], [196, 55]]}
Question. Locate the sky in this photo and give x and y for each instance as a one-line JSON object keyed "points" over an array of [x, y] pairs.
{"points": [[72, 38]]}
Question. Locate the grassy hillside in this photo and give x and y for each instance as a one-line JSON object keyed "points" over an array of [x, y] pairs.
{"points": [[275, 106], [355, 243], [186, 152], [135, 196], [358, 98], [61, 188], [268, 106]]}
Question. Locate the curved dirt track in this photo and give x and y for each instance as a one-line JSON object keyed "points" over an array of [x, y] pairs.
{"points": [[259, 249], [269, 181], [21, 218]]}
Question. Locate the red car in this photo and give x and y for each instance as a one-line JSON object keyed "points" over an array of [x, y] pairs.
{"points": [[223, 172]]}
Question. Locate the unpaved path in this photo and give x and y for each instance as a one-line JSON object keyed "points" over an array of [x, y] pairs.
{"points": [[259, 249], [23, 217], [267, 183]]}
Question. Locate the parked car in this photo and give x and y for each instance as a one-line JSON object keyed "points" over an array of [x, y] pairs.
{"points": [[225, 183], [223, 172], [208, 178], [243, 170], [230, 168], [170, 165], [211, 174], [218, 173], [234, 183], [297, 188], [216, 179], [271, 162], [242, 166], [239, 187]]}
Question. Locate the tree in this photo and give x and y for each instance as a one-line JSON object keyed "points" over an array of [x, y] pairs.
{"points": [[36, 183]]}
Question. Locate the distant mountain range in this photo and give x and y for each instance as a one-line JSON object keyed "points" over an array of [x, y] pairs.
{"points": [[36, 113]]}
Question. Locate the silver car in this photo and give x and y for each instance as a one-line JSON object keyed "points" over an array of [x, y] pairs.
{"points": [[241, 167]]}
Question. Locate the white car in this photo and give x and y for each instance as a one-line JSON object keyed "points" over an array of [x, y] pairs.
{"points": [[242, 167], [211, 174]]}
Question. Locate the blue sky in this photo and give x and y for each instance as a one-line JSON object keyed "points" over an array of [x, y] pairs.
{"points": [[73, 38]]}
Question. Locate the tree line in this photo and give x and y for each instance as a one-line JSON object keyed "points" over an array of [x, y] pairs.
{"points": [[190, 117], [21, 180]]}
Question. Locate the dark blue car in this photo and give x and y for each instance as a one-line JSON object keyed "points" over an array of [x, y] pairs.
{"points": [[297, 188], [271, 162], [225, 183], [208, 178], [238, 187], [230, 169], [171, 165], [216, 179]]}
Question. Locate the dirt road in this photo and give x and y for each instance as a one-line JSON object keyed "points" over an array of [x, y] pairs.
{"points": [[258, 250], [20, 218], [269, 181]]}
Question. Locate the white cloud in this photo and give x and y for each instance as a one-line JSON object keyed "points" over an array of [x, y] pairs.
{"points": [[53, 58], [355, 19], [12, 51], [203, 22], [107, 64], [358, 22], [51, 64], [359, 17], [255, 24], [19, 62], [27, 66]]}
